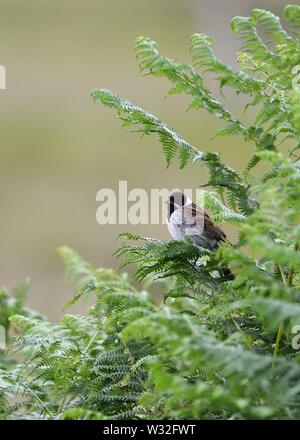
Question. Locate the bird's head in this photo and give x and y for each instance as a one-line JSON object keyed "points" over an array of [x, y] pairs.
{"points": [[176, 200]]}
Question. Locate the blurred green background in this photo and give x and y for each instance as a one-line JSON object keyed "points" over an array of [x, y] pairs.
{"points": [[58, 148]]}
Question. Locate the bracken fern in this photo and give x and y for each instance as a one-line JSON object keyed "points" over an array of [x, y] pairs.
{"points": [[213, 348]]}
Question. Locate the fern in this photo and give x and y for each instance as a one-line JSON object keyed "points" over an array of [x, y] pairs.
{"points": [[210, 347]]}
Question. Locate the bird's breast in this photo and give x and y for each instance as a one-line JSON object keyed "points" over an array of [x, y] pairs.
{"points": [[175, 229]]}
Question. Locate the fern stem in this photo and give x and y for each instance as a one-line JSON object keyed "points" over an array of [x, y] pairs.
{"points": [[43, 405], [288, 282], [278, 341], [280, 327], [292, 269], [90, 342], [239, 328]]}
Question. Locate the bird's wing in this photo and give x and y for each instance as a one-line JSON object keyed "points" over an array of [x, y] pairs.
{"points": [[197, 224]]}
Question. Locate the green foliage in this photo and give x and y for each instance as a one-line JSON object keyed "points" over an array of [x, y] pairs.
{"points": [[146, 123], [214, 347], [82, 363]]}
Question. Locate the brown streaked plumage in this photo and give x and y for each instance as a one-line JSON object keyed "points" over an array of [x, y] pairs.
{"points": [[185, 218]]}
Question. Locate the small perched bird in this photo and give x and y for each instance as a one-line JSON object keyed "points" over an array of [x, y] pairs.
{"points": [[186, 219]]}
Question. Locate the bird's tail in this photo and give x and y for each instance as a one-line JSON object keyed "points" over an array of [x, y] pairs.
{"points": [[226, 273]]}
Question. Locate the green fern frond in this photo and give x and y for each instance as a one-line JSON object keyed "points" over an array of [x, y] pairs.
{"points": [[147, 124]]}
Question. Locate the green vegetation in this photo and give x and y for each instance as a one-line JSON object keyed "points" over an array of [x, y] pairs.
{"points": [[211, 349]]}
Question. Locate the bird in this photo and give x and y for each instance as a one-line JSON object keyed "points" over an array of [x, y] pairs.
{"points": [[186, 219]]}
